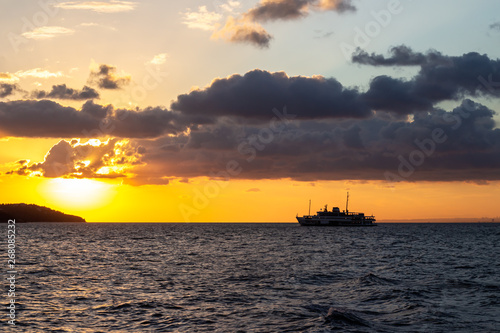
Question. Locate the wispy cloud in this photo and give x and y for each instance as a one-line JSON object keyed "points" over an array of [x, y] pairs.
{"points": [[205, 19], [96, 25], [159, 59], [89, 24], [38, 73], [47, 32], [99, 6], [319, 34], [202, 19], [230, 6]]}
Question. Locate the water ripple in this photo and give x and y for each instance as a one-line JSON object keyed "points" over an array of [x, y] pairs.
{"points": [[257, 278]]}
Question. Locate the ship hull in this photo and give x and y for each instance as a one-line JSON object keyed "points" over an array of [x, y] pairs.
{"points": [[332, 222]]}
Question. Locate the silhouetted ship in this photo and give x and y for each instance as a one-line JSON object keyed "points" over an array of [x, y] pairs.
{"points": [[336, 218]]}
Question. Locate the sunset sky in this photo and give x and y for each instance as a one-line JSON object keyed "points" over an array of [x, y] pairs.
{"points": [[242, 111]]}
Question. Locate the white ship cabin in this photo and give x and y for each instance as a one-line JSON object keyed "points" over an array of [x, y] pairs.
{"points": [[334, 212]]}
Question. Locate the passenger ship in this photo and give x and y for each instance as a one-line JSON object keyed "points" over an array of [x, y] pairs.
{"points": [[336, 218]]}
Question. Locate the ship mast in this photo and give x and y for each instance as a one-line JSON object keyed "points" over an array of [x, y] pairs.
{"points": [[347, 203], [309, 207]]}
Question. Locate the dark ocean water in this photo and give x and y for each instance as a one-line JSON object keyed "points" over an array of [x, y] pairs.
{"points": [[257, 278]]}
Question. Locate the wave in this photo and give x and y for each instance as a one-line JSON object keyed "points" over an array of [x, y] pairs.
{"points": [[372, 279], [338, 315]]}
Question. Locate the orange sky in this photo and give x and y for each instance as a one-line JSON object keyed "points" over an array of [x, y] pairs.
{"points": [[250, 201]]}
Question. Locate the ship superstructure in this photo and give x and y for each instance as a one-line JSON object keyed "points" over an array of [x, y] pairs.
{"points": [[337, 218]]}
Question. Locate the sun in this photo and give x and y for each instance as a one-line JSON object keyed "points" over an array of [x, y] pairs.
{"points": [[78, 193]]}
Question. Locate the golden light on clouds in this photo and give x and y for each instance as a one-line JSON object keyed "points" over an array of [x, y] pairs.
{"points": [[113, 6], [37, 73]]}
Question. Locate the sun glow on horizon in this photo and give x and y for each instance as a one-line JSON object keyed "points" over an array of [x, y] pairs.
{"points": [[78, 193]]}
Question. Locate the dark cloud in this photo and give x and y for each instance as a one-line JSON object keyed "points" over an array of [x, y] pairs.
{"points": [[150, 122], [96, 110], [49, 119], [253, 36], [256, 93], [278, 10], [244, 31], [400, 56], [7, 89], [43, 119], [495, 26], [468, 148], [440, 78], [106, 77], [271, 10], [63, 92], [252, 98], [396, 95]]}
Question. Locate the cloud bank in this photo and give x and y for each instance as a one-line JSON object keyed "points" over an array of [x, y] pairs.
{"points": [[28, 118], [369, 149], [277, 126], [440, 78], [256, 93]]}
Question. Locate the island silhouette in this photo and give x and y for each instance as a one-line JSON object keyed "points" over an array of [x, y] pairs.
{"points": [[22, 212]]}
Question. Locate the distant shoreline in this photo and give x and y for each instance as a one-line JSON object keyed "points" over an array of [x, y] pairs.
{"points": [[447, 220], [26, 213]]}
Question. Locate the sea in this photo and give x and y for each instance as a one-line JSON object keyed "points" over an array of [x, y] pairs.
{"points": [[229, 277]]}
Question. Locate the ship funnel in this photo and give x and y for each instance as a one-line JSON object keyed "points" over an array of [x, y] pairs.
{"points": [[347, 204]]}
